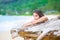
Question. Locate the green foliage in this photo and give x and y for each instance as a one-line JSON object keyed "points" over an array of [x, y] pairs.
{"points": [[53, 5], [21, 6]]}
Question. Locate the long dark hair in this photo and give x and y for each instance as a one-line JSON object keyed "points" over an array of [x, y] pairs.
{"points": [[39, 12]]}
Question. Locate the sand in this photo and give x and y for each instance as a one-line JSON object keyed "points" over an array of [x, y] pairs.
{"points": [[7, 36]]}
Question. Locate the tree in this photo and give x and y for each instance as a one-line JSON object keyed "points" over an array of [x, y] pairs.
{"points": [[53, 5]]}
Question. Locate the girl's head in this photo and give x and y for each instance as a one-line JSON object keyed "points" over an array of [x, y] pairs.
{"points": [[37, 14]]}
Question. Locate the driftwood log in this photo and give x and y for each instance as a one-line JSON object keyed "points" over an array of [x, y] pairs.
{"points": [[28, 35], [33, 36]]}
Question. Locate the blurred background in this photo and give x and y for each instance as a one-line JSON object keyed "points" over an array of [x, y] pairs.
{"points": [[26, 7]]}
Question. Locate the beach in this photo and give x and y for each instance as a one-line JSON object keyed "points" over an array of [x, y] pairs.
{"points": [[7, 36], [9, 22], [6, 25]]}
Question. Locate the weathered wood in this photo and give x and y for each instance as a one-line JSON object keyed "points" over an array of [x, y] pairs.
{"points": [[51, 37], [33, 36], [28, 34]]}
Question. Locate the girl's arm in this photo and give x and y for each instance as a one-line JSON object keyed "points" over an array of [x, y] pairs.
{"points": [[42, 19]]}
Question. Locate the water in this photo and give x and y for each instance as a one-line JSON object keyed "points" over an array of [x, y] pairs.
{"points": [[9, 22]]}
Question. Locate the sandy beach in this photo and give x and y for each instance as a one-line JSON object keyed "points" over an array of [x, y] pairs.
{"points": [[7, 36]]}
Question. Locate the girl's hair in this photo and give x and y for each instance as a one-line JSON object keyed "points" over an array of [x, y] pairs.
{"points": [[39, 12]]}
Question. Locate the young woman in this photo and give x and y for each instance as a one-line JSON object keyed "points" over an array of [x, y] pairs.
{"points": [[39, 17]]}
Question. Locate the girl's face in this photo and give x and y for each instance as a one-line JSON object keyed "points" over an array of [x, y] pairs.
{"points": [[36, 16]]}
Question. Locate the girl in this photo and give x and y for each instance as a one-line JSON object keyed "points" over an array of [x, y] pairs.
{"points": [[39, 17]]}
